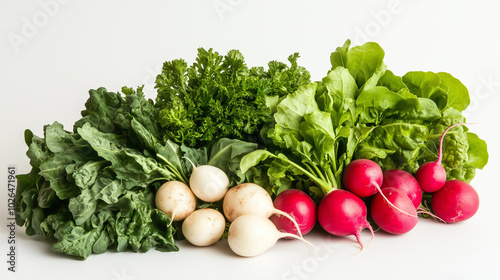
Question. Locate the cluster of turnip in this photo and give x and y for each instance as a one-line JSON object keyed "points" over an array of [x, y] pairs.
{"points": [[256, 222], [247, 207]]}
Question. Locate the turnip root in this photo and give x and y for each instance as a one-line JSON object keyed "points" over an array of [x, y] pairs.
{"points": [[204, 227], [251, 235], [175, 199], [456, 201], [250, 198], [208, 182]]}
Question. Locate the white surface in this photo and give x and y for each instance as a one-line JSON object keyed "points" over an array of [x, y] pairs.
{"points": [[62, 50]]}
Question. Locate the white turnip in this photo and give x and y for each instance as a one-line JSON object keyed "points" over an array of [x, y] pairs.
{"points": [[208, 182], [175, 199], [204, 227], [250, 198], [251, 235]]}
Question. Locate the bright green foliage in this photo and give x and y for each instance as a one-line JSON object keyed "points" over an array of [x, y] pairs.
{"points": [[220, 96], [362, 110]]}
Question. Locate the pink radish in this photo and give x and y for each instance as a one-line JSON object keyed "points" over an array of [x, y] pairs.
{"points": [[342, 213], [390, 219], [456, 201], [363, 177], [400, 179], [431, 176], [300, 206]]}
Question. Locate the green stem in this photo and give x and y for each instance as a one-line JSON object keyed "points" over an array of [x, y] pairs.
{"points": [[316, 171], [332, 178], [172, 169], [325, 186]]}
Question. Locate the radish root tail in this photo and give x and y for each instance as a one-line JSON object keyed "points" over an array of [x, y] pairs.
{"points": [[394, 206], [291, 235], [423, 210], [288, 216]]}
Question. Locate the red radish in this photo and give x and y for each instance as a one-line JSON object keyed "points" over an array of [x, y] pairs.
{"points": [[431, 176], [456, 201], [363, 177], [390, 219], [342, 213], [300, 206], [400, 179]]}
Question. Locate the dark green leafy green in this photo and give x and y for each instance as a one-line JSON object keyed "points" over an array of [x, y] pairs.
{"points": [[220, 96], [93, 189]]}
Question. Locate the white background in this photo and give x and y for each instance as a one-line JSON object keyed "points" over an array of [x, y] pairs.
{"points": [[52, 52]]}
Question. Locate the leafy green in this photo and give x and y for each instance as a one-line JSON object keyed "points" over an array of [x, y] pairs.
{"points": [[93, 188], [362, 110], [220, 96]]}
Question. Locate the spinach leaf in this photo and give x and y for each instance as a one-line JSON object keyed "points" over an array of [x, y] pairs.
{"points": [[93, 188]]}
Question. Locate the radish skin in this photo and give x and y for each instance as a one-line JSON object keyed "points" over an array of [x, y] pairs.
{"points": [[388, 218], [455, 202], [363, 177], [175, 199], [250, 198], [342, 213], [300, 206], [400, 179]]}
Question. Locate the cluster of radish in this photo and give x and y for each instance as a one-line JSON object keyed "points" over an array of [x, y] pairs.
{"points": [[247, 207], [395, 198]]}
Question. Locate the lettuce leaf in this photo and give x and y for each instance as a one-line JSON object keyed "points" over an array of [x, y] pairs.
{"points": [[363, 110]]}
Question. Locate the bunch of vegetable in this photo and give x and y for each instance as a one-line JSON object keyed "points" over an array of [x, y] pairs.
{"points": [[94, 188], [206, 159]]}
